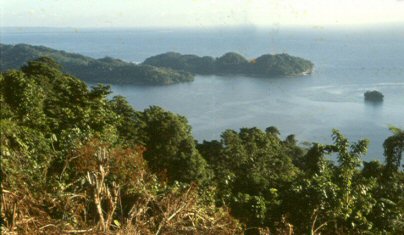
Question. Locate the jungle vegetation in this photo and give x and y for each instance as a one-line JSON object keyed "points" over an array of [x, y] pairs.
{"points": [[74, 160]]}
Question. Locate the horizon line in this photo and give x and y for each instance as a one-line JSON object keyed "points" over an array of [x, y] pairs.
{"points": [[312, 26]]}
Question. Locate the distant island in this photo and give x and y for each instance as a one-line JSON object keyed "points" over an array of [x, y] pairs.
{"points": [[105, 70], [232, 63], [373, 96], [164, 69]]}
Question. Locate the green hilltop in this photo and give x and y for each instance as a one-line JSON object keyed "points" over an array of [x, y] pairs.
{"points": [[164, 69], [105, 70], [232, 63]]}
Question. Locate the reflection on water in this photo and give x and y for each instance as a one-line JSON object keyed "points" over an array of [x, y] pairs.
{"points": [[374, 104]]}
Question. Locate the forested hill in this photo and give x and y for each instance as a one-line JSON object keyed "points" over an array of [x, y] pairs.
{"points": [[76, 161], [233, 63], [163, 69], [105, 70]]}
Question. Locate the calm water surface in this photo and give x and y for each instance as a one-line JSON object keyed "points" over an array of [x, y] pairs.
{"points": [[348, 62]]}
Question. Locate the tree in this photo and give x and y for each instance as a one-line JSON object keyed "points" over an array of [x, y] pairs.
{"points": [[250, 168], [128, 122], [68, 165], [22, 93], [310, 200], [393, 150], [272, 130], [387, 213], [42, 66], [352, 208], [170, 147], [330, 197]]}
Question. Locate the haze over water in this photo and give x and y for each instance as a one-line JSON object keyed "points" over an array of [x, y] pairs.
{"points": [[347, 63]]}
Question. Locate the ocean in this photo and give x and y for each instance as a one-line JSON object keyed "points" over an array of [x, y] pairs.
{"points": [[347, 61]]}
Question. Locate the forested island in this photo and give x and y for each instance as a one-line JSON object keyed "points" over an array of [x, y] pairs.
{"points": [[76, 160], [106, 70], [373, 96], [232, 63], [164, 69]]}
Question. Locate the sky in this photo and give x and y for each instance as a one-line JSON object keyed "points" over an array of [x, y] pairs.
{"points": [[198, 13]]}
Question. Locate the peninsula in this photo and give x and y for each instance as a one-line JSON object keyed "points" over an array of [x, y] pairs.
{"points": [[105, 70], [164, 69]]}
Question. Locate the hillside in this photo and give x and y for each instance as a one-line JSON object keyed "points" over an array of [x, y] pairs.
{"points": [[75, 160], [233, 63], [105, 70], [164, 69]]}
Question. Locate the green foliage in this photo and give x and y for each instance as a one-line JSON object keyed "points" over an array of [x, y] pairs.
{"points": [[26, 155], [105, 70], [170, 147], [24, 96], [393, 150], [234, 63], [251, 210], [191, 63], [250, 169], [387, 213], [332, 197], [128, 121], [42, 66], [231, 63], [163, 69], [280, 65], [72, 157], [373, 96]]}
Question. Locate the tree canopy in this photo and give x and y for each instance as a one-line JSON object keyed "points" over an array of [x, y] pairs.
{"points": [[76, 160]]}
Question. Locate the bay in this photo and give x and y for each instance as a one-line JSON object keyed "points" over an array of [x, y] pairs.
{"points": [[347, 63]]}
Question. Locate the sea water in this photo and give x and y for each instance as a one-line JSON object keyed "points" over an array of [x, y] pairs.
{"points": [[348, 62]]}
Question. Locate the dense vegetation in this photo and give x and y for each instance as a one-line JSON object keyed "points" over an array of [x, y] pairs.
{"points": [[76, 161], [233, 63], [373, 96], [105, 70], [164, 69]]}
